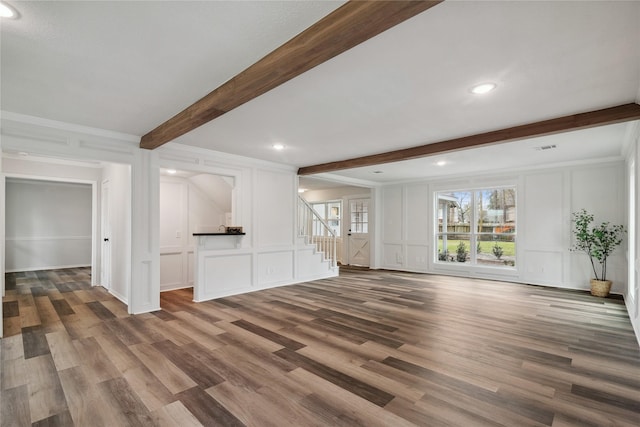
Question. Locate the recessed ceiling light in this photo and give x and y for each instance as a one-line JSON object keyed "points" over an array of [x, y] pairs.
{"points": [[441, 163], [7, 11], [483, 88], [172, 171], [301, 190], [278, 146], [377, 172], [23, 153]]}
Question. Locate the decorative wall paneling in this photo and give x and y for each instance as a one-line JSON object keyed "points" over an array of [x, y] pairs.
{"points": [[184, 210], [140, 254], [545, 200], [264, 205]]}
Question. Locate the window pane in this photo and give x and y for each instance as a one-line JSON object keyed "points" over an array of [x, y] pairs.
{"points": [[334, 210], [454, 211], [320, 209], [331, 213], [498, 250], [496, 210], [359, 216], [457, 248]]}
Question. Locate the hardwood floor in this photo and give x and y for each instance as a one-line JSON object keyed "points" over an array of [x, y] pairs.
{"points": [[372, 348]]}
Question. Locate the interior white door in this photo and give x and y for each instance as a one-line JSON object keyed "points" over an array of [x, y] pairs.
{"points": [[105, 271], [358, 246]]}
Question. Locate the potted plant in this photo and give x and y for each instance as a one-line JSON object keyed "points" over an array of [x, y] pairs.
{"points": [[597, 241]]}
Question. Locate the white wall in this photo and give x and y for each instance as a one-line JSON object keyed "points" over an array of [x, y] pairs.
{"points": [[184, 210], [546, 199], [216, 188], [48, 224], [334, 193]]}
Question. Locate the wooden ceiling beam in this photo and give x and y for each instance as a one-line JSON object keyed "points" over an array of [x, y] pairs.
{"points": [[607, 116], [346, 27]]}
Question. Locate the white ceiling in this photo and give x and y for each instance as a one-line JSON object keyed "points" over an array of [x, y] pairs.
{"points": [[129, 66]]}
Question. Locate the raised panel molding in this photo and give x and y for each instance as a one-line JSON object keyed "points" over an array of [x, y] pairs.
{"points": [[275, 267], [171, 271], [417, 257], [392, 255], [543, 267], [226, 275], [392, 217]]}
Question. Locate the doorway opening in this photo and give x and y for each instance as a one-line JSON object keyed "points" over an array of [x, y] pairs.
{"points": [[190, 202], [353, 216], [53, 220]]}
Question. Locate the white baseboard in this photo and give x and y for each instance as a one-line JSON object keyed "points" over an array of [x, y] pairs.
{"points": [[54, 267]]}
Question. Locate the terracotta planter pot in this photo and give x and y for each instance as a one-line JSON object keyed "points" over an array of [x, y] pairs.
{"points": [[600, 288]]}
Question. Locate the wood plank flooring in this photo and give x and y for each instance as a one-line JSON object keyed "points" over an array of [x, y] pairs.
{"points": [[370, 348]]}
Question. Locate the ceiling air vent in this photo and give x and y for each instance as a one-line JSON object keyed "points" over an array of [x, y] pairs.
{"points": [[545, 147]]}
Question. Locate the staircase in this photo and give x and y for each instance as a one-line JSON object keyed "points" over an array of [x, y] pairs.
{"points": [[317, 251]]}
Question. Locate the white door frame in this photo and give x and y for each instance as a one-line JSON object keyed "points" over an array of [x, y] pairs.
{"points": [[105, 237], [347, 226]]}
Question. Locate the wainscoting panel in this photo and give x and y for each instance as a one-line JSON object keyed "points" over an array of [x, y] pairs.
{"points": [[392, 256], [544, 267], [417, 257], [171, 271], [275, 267], [226, 275]]}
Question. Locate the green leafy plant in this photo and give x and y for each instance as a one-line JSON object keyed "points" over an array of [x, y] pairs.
{"points": [[461, 252], [597, 241], [497, 251], [442, 256]]}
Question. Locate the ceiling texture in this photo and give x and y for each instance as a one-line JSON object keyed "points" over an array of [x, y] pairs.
{"points": [[129, 66]]}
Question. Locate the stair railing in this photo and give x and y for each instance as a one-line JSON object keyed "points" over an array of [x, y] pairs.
{"points": [[316, 231]]}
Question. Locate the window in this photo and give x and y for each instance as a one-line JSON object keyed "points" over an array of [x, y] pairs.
{"points": [[330, 213], [359, 216], [477, 227]]}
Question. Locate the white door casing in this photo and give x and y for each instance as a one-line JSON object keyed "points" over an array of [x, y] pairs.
{"points": [[105, 268]]}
